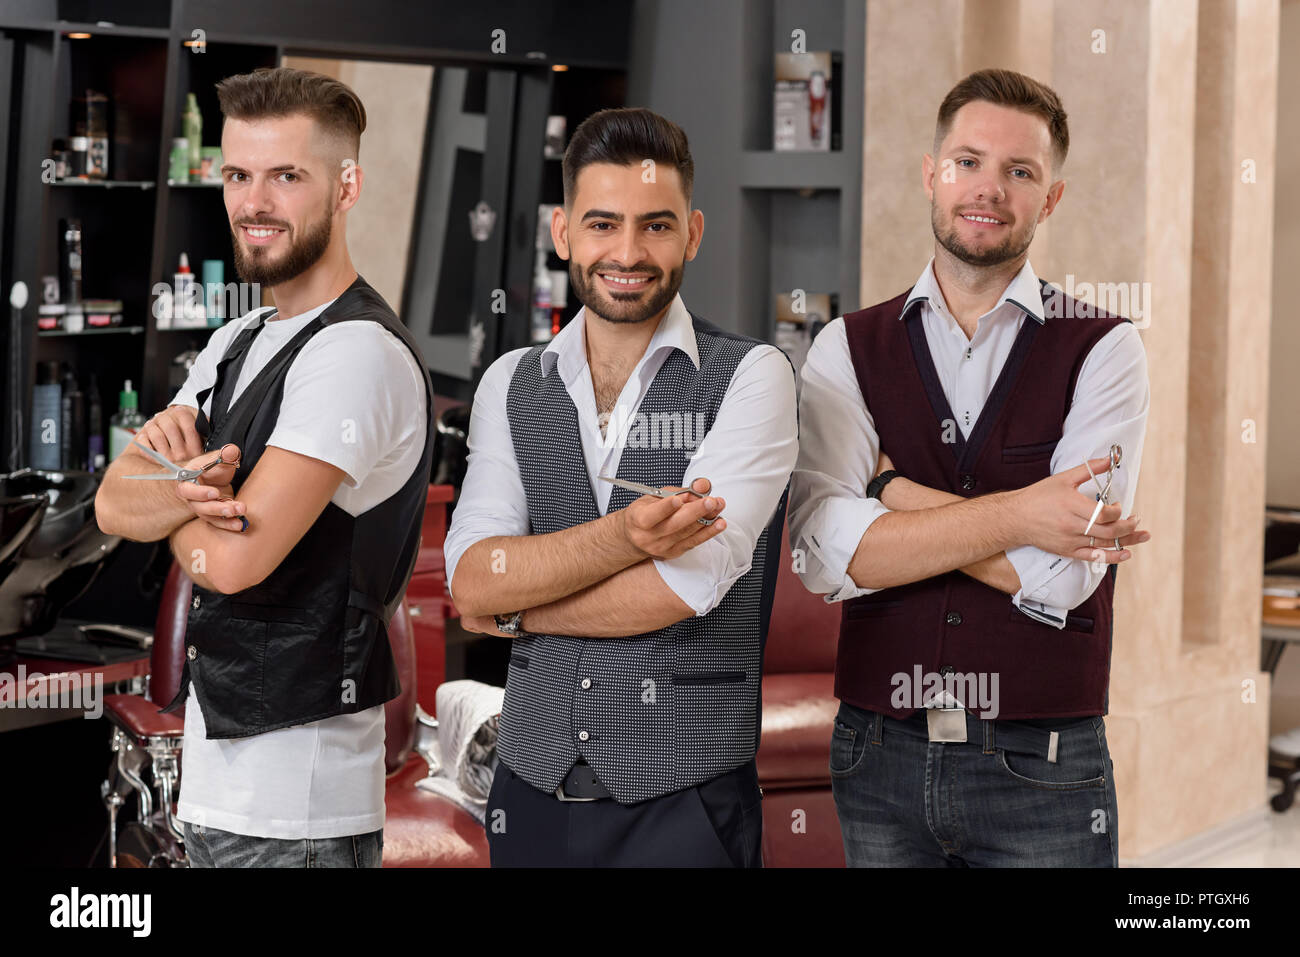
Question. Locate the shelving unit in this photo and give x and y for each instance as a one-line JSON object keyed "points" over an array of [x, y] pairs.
{"points": [[774, 221], [136, 224]]}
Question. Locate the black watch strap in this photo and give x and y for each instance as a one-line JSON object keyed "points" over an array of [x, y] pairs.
{"points": [[877, 485]]}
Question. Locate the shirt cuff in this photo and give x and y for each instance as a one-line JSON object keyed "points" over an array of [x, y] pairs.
{"points": [[701, 577], [1036, 568], [841, 524]]}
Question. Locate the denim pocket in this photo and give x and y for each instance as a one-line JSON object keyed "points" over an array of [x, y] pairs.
{"points": [[848, 747], [1034, 771]]}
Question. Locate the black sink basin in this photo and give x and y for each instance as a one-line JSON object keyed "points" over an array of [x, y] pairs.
{"points": [[51, 548]]}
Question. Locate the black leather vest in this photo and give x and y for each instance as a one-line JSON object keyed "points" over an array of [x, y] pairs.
{"points": [[310, 641]]}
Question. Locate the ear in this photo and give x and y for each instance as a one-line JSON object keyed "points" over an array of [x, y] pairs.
{"points": [[349, 186], [560, 231], [1054, 194], [695, 232], [927, 175]]}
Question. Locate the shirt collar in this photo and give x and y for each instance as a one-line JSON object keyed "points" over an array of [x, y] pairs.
{"points": [[568, 350], [1024, 292]]}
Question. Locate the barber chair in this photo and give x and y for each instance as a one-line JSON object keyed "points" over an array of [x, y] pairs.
{"points": [[51, 549], [800, 826], [422, 829]]}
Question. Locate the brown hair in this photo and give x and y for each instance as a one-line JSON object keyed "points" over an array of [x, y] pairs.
{"points": [[627, 137], [1008, 88], [284, 91]]}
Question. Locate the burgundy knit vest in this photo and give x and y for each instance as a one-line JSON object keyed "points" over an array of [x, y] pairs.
{"points": [[952, 623]]}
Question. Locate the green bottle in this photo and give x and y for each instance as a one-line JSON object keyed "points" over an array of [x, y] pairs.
{"points": [[124, 425], [193, 122]]}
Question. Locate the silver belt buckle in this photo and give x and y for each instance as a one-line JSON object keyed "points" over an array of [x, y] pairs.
{"points": [[559, 793], [946, 724]]}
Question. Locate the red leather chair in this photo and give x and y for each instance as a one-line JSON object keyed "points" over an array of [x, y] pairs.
{"points": [[800, 826], [422, 829]]}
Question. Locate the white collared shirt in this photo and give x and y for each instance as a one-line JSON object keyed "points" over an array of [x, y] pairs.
{"points": [[747, 455], [839, 445]]}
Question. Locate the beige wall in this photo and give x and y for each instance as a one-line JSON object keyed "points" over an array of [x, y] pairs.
{"points": [[396, 98], [1283, 487], [1160, 122]]}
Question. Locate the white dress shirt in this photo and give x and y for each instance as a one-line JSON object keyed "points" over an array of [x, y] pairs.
{"points": [[840, 447], [747, 455]]}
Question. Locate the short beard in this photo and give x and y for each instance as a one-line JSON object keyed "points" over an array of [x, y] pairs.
{"points": [[624, 307], [1006, 251], [253, 267]]}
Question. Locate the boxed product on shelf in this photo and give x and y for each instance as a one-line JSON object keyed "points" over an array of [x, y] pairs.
{"points": [[805, 102], [799, 317]]}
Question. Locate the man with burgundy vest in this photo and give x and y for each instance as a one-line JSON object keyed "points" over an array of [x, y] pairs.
{"points": [[938, 496]]}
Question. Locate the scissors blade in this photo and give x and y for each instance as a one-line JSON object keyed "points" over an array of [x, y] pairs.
{"points": [[158, 457], [636, 487], [156, 476], [648, 489], [1095, 512]]}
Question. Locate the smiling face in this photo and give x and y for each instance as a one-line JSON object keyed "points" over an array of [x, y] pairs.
{"points": [[627, 241], [282, 192], [990, 183]]}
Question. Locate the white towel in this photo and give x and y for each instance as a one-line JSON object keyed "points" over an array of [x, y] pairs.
{"points": [[467, 744]]}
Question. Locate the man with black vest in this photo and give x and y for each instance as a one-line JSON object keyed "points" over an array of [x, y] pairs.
{"points": [[977, 581], [300, 545], [631, 713]]}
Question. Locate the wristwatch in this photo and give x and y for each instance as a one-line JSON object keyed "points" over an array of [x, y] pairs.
{"points": [[877, 485], [511, 624]]}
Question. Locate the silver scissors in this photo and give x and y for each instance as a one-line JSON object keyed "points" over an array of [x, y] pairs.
{"points": [[656, 492], [175, 472], [1103, 493]]}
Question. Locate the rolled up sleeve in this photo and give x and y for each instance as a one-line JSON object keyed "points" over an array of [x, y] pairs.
{"points": [[747, 456], [838, 452]]}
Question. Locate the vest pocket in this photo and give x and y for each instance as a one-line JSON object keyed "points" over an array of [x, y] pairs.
{"points": [[250, 611], [1080, 623], [867, 608], [1029, 453], [519, 661], [707, 677]]}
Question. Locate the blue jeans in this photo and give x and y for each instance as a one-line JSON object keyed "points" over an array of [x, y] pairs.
{"points": [[209, 847], [904, 801]]}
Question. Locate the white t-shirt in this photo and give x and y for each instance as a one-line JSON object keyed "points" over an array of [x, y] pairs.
{"points": [[323, 779]]}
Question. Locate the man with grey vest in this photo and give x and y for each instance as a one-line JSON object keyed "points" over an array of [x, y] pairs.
{"points": [[631, 713], [976, 580]]}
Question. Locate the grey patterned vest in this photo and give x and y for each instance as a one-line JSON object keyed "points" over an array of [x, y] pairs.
{"points": [[656, 712]]}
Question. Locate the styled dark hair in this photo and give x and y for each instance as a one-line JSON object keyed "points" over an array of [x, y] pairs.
{"points": [[1008, 88], [284, 91], [627, 137]]}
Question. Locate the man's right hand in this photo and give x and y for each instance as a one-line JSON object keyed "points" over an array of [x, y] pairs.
{"points": [[212, 498], [1053, 515], [665, 528]]}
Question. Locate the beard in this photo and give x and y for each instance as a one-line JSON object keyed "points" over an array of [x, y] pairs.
{"points": [[1009, 249], [625, 306], [252, 264]]}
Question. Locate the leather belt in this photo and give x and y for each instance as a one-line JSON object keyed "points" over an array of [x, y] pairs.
{"points": [[956, 725], [581, 784]]}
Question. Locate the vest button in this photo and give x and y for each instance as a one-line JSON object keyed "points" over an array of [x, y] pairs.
{"points": [[968, 482], [195, 603], [191, 652], [946, 670], [586, 683], [954, 618], [583, 736]]}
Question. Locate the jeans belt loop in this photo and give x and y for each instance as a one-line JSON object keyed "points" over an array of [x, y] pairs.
{"points": [[877, 727]]}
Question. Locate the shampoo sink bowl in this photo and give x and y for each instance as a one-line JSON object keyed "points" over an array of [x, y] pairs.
{"points": [[51, 549]]}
